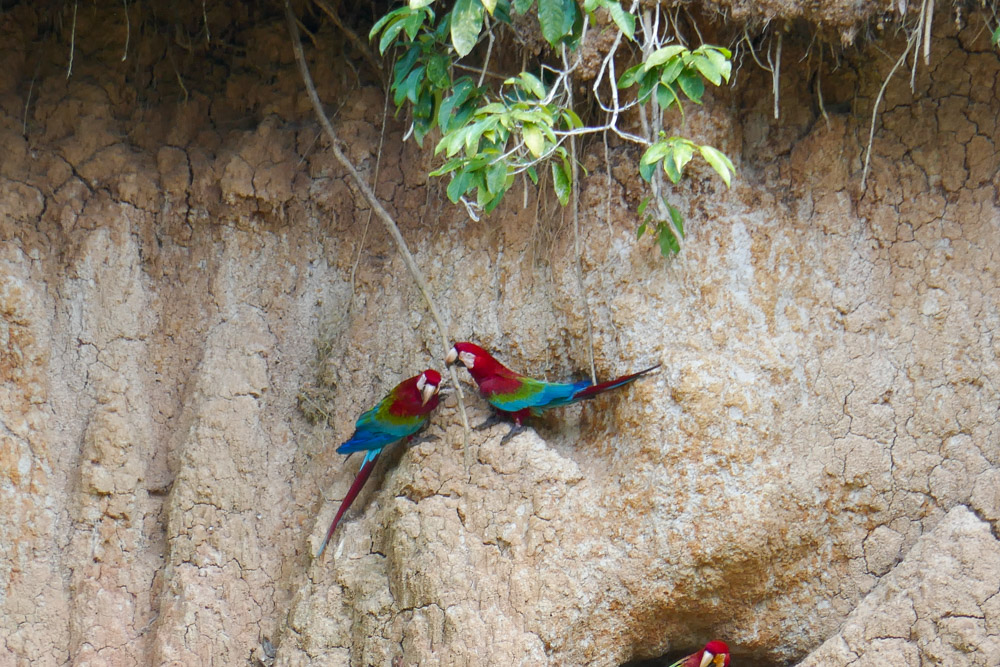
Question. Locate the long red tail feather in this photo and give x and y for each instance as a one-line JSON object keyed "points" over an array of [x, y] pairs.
{"points": [[596, 389], [352, 493]]}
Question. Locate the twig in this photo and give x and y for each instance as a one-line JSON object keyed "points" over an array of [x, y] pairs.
{"points": [[376, 205], [204, 16], [486, 60], [878, 100], [358, 43], [128, 30], [928, 21], [479, 70], [72, 44], [576, 237], [775, 74], [819, 87]]}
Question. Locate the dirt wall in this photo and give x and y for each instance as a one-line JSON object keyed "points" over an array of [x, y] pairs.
{"points": [[194, 309]]}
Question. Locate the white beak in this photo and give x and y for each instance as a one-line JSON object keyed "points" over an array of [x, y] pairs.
{"points": [[452, 356], [707, 658], [428, 391]]}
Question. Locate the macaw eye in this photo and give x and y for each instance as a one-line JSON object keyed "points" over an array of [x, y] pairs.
{"points": [[468, 359], [421, 382]]}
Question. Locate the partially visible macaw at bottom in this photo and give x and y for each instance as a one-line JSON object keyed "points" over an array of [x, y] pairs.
{"points": [[399, 415], [715, 654]]}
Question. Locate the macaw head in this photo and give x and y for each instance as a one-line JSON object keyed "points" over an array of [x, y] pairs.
{"points": [[427, 384], [715, 654], [469, 355]]}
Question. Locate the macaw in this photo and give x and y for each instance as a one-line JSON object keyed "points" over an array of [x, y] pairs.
{"points": [[715, 654], [399, 415], [520, 396]]}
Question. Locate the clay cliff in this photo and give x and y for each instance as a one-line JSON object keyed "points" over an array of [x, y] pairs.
{"points": [[195, 305]]}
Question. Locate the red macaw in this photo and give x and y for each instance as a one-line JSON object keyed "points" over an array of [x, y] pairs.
{"points": [[715, 654], [520, 396], [399, 415]]}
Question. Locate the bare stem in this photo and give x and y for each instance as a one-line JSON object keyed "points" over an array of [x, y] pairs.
{"points": [[380, 211]]}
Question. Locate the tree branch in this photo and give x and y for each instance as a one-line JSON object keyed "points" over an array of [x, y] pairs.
{"points": [[390, 224]]}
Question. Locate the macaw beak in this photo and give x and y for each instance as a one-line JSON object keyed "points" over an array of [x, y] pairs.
{"points": [[427, 393], [709, 658], [452, 357]]}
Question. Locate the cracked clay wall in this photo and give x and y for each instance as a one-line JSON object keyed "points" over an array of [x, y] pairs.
{"points": [[813, 476]]}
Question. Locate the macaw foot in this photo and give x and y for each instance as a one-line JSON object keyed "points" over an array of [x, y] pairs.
{"points": [[494, 418], [412, 440], [514, 430]]}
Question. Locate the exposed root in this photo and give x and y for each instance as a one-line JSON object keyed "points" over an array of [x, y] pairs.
{"points": [[72, 44], [910, 42]]}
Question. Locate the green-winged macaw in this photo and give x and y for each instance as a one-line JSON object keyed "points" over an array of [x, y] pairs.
{"points": [[399, 415], [715, 654], [520, 396]]}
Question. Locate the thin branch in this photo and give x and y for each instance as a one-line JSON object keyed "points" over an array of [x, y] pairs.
{"points": [[775, 74], [376, 205], [72, 44], [486, 60], [878, 100], [358, 43], [928, 21], [576, 240], [128, 30]]}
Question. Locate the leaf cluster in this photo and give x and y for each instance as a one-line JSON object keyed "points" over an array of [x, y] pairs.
{"points": [[490, 136]]}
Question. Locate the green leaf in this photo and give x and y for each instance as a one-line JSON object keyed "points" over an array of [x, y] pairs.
{"points": [[533, 175], [628, 77], [682, 154], [719, 161], [720, 59], [996, 36], [390, 35], [409, 87], [420, 4], [460, 93], [449, 166], [691, 84], [403, 66], [708, 69], [437, 70], [670, 71], [677, 218], [670, 169], [562, 181], [533, 139], [552, 18], [668, 243], [665, 96], [496, 176], [646, 84], [459, 185], [660, 56], [522, 6], [622, 19], [490, 5], [502, 11], [572, 120], [532, 84], [385, 19], [413, 23], [655, 153], [642, 208], [466, 23], [641, 231], [647, 171]]}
